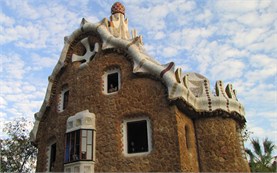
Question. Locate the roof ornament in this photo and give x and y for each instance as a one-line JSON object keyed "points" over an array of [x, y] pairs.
{"points": [[118, 25], [118, 8]]}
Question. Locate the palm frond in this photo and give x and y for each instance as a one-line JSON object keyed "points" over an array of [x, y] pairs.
{"points": [[268, 147], [257, 147]]}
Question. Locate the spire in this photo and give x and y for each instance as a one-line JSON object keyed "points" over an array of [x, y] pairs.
{"points": [[118, 24]]}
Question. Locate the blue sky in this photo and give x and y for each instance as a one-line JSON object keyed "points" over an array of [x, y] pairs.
{"points": [[233, 41]]}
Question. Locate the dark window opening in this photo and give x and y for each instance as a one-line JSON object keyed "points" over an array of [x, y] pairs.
{"points": [[65, 99], [78, 146], [52, 157], [187, 133], [112, 82], [137, 137]]}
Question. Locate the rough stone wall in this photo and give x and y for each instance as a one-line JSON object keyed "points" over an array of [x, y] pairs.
{"points": [[187, 143], [219, 146], [52, 129], [138, 97]]}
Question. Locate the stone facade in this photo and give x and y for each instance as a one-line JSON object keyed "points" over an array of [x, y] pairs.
{"points": [[219, 145], [186, 132], [138, 97]]}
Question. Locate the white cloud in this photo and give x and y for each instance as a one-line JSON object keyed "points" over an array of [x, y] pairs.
{"points": [[250, 19], [260, 130], [80, 3], [263, 67], [10, 86], [23, 8], [12, 65], [6, 20], [184, 67], [43, 62], [261, 60], [267, 45], [262, 74], [48, 24], [227, 70], [205, 17], [169, 51], [2, 114], [27, 108], [189, 38], [3, 103], [159, 35], [265, 4], [22, 33], [244, 38], [92, 19], [24, 99], [29, 88], [157, 13], [261, 133], [236, 6], [193, 34], [261, 95]]}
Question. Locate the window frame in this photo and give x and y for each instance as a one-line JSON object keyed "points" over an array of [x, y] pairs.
{"points": [[61, 103], [50, 162], [53, 155], [65, 101], [106, 82], [67, 148], [187, 137], [125, 137]]}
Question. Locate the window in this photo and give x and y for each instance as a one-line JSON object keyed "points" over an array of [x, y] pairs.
{"points": [[111, 80], [137, 137], [64, 98], [52, 157], [187, 133], [79, 146]]}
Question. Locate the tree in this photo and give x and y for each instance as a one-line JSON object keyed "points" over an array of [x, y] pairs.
{"points": [[17, 152], [262, 160], [245, 133]]}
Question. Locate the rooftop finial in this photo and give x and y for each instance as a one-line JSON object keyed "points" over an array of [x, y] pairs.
{"points": [[118, 8]]}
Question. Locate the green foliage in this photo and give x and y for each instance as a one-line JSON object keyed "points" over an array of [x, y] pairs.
{"points": [[17, 152], [261, 159]]}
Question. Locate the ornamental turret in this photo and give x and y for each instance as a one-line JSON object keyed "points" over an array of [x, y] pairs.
{"points": [[118, 25]]}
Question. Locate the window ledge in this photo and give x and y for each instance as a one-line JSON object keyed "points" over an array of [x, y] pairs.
{"points": [[77, 161], [137, 154], [113, 93]]}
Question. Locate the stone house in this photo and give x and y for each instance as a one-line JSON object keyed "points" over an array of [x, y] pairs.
{"points": [[109, 106]]}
